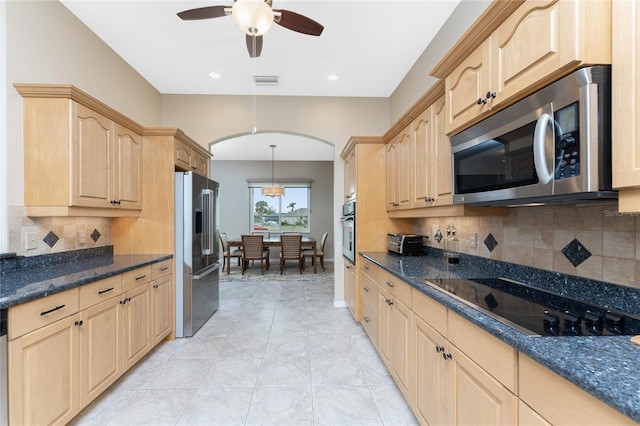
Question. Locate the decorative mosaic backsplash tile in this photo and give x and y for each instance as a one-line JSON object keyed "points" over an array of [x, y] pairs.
{"points": [[593, 241], [576, 252], [56, 234]]}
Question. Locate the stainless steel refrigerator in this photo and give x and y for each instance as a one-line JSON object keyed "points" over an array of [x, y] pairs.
{"points": [[197, 253]]}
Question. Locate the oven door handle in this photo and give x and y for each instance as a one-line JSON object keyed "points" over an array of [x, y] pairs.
{"points": [[539, 148]]}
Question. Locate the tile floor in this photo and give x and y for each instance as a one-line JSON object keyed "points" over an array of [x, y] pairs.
{"points": [[276, 353]]}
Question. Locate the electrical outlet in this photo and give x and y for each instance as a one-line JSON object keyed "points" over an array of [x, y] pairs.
{"points": [[473, 240], [82, 237], [30, 242]]}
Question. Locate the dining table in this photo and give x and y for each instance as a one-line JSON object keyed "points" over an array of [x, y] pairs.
{"points": [[274, 241]]}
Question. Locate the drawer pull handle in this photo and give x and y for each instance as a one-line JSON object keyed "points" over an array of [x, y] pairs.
{"points": [[52, 310], [141, 277], [105, 291], [390, 284], [164, 269]]}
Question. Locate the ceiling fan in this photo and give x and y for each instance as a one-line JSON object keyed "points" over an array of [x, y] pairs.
{"points": [[255, 17]]}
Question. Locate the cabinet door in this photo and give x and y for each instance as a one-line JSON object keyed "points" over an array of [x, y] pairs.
{"points": [[404, 167], [528, 417], [43, 375], [200, 165], [350, 288], [183, 156], [161, 308], [91, 159], [385, 321], [535, 41], [127, 165], [400, 357], [350, 174], [421, 141], [626, 91], [441, 178], [466, 88], [135, 325], [474, 397], [391, 159], [99, 349], [428, 397]]}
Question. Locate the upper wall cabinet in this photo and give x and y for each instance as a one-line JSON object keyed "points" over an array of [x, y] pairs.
{"points": [[535, 44], [191, 157], [431, 157], [350, 175], [399, 167], [81, 158], [626, 92]]}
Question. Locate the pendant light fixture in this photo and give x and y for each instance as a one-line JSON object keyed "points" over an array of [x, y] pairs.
{"points": [[273, 190]]}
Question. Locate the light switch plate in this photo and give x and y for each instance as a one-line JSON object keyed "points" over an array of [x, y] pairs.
{"points": [[30, 242], [473, 240], [82, 237]]}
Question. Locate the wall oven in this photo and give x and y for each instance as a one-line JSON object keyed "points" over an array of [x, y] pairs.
{"points": [[348, 220], [553, 145]]}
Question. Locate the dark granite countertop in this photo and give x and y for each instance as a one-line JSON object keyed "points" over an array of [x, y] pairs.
{"points": [[24, 279], [607, 367]]}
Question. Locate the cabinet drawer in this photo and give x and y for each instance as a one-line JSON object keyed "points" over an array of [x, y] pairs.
{"points": [[431, 312], [370, 269], [161, 268], [369, 292], [493, 355], [32, 315], [370, 323], [399, 289], [540, 387], [96, 292], [135, 278]]}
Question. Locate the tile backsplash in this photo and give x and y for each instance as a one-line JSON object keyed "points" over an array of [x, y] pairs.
{"points": [[592, 241], [56, 234]]}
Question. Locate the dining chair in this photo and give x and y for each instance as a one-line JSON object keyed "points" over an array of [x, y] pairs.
{"points": [[319, 253], [253, 249], [291, 249], [227, 252]]}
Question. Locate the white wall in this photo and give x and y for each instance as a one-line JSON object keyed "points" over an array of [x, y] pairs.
{"points": [[234, 193], [418, 81]]}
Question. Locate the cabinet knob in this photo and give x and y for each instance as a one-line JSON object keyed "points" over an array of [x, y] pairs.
{"points": [[389, 302], [365, 289], [156, 286], [446, 356], [481, 101], [491, 95], [390, 284], [366, 319], [78, 323]]}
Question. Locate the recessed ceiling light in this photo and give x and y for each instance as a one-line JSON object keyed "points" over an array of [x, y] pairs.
{"points": [[332, 77], [214, 75]]}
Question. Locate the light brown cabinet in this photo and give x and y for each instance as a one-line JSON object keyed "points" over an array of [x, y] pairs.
{"points": [[81, 157], [67, 348], [539, 42], [350, 287], [398, 166], [191, 157], [625, 138], [369, 302], [350, 174], [431, 155]]}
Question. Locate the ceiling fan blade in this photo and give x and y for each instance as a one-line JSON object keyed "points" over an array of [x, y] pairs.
{"points": [[298, 23], [203, 13], [254, 53]]}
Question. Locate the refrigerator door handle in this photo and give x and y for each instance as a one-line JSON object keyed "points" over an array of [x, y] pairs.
{"points": [[207, 223], [207, 271]]}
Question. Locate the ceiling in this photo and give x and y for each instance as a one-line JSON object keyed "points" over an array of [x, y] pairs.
{"points": [[369, 44]]}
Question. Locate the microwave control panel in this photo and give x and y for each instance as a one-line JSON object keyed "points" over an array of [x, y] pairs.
{"points": [[567, 141]]}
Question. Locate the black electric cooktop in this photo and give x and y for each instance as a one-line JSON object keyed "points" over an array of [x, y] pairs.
{"points": [[536, 312]]}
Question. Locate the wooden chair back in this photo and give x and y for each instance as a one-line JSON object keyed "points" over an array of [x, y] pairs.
{"points": [[224, 240], [291, 246], [253, 247], [323, 242]]}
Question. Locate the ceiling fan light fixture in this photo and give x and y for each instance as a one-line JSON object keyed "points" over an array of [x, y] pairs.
{"points": [[253, 17]]}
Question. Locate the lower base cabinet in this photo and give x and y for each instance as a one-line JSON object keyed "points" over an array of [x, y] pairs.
{"points": [[57, 369], [350, 290]]}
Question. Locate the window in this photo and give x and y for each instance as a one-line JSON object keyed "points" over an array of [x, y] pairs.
{"points": [[281, 214]]}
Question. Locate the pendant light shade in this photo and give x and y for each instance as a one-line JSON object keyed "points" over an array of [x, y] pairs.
{"points": [[273, 190]]}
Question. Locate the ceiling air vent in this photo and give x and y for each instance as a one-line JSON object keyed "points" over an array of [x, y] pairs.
{"points": [[266, 80]]}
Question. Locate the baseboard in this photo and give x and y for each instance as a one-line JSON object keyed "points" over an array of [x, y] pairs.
{"points": [[339, 303]]}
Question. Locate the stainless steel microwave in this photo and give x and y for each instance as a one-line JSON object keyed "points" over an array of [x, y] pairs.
{"points": [[554, 145]]}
